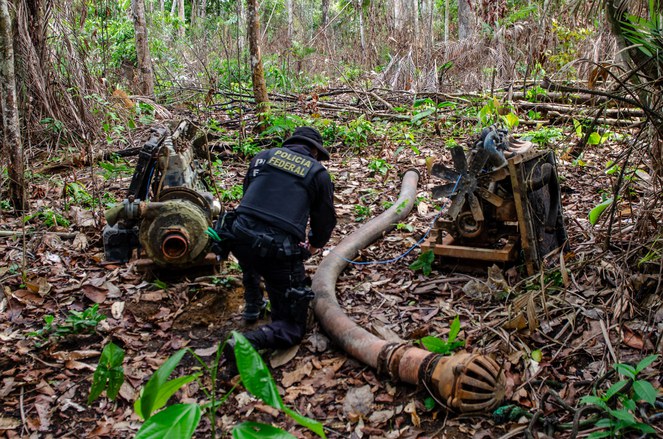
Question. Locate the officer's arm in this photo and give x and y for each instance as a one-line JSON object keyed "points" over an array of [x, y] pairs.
{"points": [[323, 216]]}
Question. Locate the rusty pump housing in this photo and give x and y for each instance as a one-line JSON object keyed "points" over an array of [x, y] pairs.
{"points": [[505, 204], [168, 208]]}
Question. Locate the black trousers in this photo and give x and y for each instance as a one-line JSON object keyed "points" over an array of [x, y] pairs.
{"points": [[288, 324]]}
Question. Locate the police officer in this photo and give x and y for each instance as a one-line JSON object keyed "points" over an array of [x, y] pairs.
{"points": [[283, 188]]}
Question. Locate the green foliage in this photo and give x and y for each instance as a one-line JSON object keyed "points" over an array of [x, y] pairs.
{"points": [[282, 125], [181, 420], [620, 420], [159, 389], [534, 115], [406, 227], [5, 205], [159, 284], [533, 94], [53, 125], [597, 210], [76, 322], [259, 382], [424, 262], [379, 166], [234, 193], [115, 169], [78, 195], [361, 212], [48, 217], [543, 135], [109, 374], [444, 347], [594, 137]]}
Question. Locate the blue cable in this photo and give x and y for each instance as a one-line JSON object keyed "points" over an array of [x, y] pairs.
{"points": [[407, 252]]}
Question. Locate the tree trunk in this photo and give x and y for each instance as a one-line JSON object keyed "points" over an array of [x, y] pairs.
{"points": [[145, 75], [325, 12], [162, 5], [258, 74], [446, 21], [362, 38], [465, 20], [182, 17], [10, 123], [288, 6], [173, 6]]}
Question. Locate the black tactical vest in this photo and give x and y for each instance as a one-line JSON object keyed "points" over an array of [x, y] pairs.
{"points": [[280, 190]]}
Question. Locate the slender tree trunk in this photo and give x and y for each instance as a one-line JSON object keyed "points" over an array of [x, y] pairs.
{"points": [[10, 123], [465, 20], [203, 10], [258, 74], [173, 6], [145, 75], [446, 21], [325, 12], [362, 38], [162, 5], [182, 17], [288, 6]]}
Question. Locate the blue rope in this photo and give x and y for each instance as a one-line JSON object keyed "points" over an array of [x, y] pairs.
{"points": [[408, 251]]}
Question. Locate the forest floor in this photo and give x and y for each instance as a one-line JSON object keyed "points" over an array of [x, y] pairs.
{"points": [[557, 334]]}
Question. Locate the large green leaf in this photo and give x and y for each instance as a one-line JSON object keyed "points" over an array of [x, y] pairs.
{"points": [[645, 362], [256, 430], [645, 391], [146, 404], [254, 373], [313, 425], [596, 212], [422, 114], [178, 421], [614, 389]]}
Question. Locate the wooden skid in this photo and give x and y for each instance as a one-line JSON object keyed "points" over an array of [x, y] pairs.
{"points": [[447, 249]]}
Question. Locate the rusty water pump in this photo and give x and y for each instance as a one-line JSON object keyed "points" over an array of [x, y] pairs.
{"points": [[168, 208]]}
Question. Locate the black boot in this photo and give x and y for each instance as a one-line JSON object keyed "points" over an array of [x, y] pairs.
{"points": [[254, 311]]}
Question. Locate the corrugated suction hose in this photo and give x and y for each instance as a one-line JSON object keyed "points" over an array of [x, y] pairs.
{"points": [[465, 382]]}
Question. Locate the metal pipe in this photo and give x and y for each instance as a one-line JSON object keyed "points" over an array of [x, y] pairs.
{"points": [[466, 382], [175, 245]]}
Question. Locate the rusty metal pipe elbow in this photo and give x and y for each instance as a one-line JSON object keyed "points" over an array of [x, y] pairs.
{"points": [[464, 382]]}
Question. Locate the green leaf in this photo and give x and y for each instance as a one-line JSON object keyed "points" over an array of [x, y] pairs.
{"points": [[625, 369], [256, 430], [422, 114], [178, 421], [99, 380], [645, 428], [593, 399], [594, 139], [605, 423], [169, 388], [511, 120], [109, 372], [115, 380], [614, 389], [150, 392], [313, 425], [645, 362], [599, 434], [537, 355], [435, 344], [622, 415], [645, 391], [596, 212], [454, 330], [429, 403], [255, 375]]}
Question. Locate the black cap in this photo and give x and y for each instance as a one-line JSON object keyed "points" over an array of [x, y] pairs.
{"points": [[308, 136]]}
